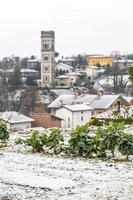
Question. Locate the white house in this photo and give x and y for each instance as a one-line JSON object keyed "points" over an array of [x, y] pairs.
{"points": [[16, 121], [32, 63], [29, 73], [123, 63], [92, 71], [63, 67], [100, 103], [74, 115]]}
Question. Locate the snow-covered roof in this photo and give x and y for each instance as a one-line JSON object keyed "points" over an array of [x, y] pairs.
{"points": [[129, 99], [123, 61], [78, 107], [102, 102], [99, 56], [28, 71], [14, 117], [62, 77], [64, 66], [32, 60], [74, 73], [62, 91], [68, 59], [92, 67], [9, 70]]}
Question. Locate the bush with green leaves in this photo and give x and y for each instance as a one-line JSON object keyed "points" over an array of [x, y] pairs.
{"points": [[37, 141], [96, 122], [4, 133], [55, 141], [80, 141], [108, 138], [83, 143], [125, 145], [19, 141]]}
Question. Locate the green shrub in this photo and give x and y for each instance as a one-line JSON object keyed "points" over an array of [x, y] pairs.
{"points": [[125, 145], [4, 133], [19, 141], [108, 138], [80, 142], [55, 141], [96, 122], [37, 141]]}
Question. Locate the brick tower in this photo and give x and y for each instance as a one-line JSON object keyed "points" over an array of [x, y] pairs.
{"points": [[47, 57]]}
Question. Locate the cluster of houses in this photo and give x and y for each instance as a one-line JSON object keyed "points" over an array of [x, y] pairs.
{"points": [[94, 66], [67, 111]]}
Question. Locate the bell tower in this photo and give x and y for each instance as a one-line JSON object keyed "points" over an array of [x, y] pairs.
{"points": [[47, 57]]}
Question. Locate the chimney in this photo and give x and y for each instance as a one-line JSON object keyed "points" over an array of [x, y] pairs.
{"points": [[61, 103], [98, 95]]}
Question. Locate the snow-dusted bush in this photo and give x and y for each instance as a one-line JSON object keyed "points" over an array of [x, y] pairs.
{"points": [[4, 133]]}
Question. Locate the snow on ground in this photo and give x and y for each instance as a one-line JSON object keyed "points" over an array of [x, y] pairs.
{"points": [[39, 177]]}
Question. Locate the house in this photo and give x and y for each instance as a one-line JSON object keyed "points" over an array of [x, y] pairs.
{"points": [[99, 59], [32, 63], [98, 102], [123, 63], [69, 61], [73, 77], [68, 79], [92, 71], [74, 115], [16, 121], [29, 73], [63, 67], [62, 80]]}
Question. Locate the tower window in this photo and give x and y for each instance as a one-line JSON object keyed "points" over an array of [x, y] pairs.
{"points": [[46, 78], [45, 46], [46, 68], [45, 57]]}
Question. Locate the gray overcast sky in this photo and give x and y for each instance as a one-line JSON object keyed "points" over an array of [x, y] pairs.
{"points": [[81, 26]]}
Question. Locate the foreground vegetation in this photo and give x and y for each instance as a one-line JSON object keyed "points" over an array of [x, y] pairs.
{"points": [[85, 141], [4, 134]]}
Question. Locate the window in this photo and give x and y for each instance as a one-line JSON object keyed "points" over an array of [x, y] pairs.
{"points": [[68, 122], [118, 106], [45, 57], [46, 68], [81, 112], [45, 46], [82, 118], [52, 59]]}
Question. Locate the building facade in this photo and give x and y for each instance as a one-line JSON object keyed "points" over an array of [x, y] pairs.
{"points": [[74, 115], [102, 60], [47, 57]]}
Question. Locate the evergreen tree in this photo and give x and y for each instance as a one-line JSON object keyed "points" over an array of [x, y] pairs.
{"points": [[15, 80], [131, 77]]}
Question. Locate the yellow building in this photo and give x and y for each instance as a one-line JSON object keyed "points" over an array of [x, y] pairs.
{"points": [[102, 60]]}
